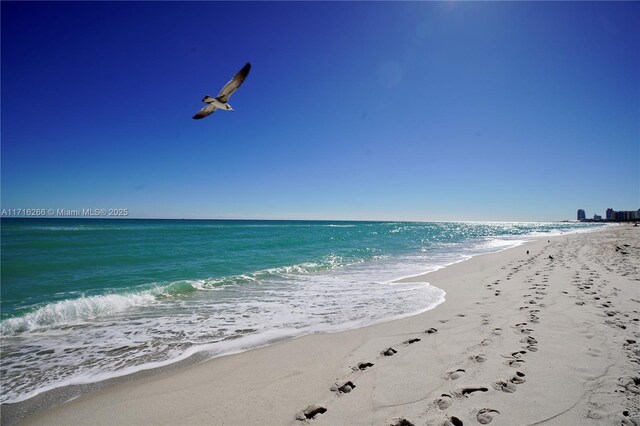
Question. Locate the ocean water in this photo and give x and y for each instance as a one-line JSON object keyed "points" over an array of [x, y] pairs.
{"points": [[87, 300]]}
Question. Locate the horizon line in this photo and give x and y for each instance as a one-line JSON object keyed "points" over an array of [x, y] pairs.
{"points": [[289, 220]]}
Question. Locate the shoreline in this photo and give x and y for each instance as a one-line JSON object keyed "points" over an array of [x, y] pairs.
{"points": [[315, 361]]}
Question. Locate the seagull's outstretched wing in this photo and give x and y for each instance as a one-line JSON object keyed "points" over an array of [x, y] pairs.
{"points": [[208, 109], [234, 83]]}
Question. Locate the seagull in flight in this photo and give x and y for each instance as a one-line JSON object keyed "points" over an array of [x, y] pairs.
{"points": [[221, 101]]}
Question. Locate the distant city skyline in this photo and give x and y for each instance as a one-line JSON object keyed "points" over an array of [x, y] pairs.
{"points": [[493, 111], [611, 214]]}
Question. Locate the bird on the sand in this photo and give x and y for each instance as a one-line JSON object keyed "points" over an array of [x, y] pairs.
{"points": [[221, 101]]}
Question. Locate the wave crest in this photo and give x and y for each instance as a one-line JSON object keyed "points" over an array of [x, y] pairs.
{"points": [[73, 311]]}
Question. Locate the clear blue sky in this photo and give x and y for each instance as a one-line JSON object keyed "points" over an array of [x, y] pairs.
{"points": [[416, 111]]}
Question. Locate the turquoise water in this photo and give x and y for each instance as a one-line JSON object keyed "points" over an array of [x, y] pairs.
{"points": [[86, 300]]}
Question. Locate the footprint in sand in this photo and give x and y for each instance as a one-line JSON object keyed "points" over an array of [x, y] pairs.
{"points": [[486, 415], [443, 402], [518, 379], [410, 341], [504, 386], [453, 375], [364, 365], [479, 358], [431, 331], [497, 331], [310, 412], [471, 390], [516, 363], [389, 352], [452, 421], [631, 384], [344, 387]]}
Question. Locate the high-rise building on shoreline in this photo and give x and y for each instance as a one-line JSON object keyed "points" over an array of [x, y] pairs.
{"points": [[581, 214], [610, 213]]}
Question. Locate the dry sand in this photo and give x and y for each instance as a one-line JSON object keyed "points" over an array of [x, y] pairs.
{"points": [[547, 338]]}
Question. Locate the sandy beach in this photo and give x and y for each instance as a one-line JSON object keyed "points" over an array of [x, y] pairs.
{"points": [[548, 337]]}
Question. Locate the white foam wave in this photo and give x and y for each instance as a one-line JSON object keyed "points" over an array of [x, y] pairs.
{"points": [[73, 311]]}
